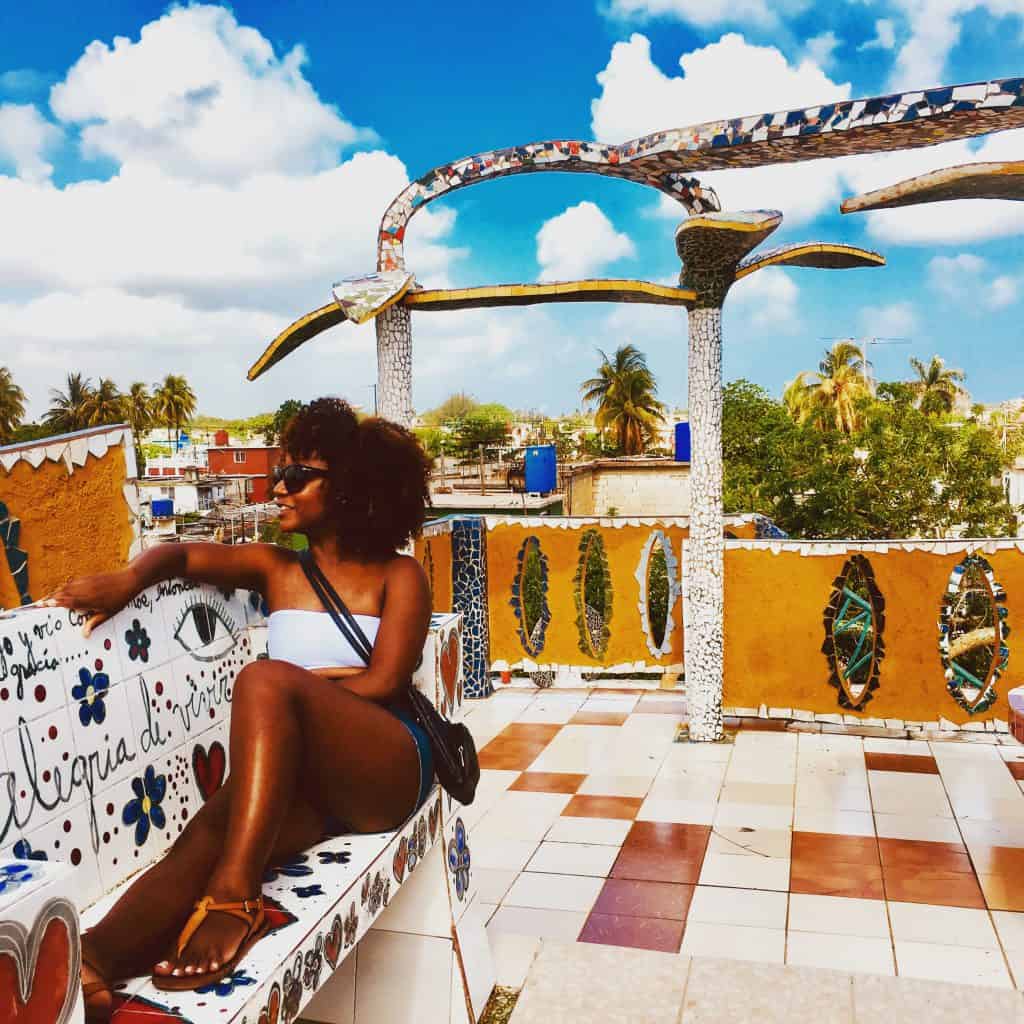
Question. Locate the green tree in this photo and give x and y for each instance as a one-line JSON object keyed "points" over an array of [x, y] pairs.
{"points": [[479, 429], [833, 396], [286, 411], [454, 407], [625, 393], [104, 405], [936, 386], [12, 405], [67, 410], [174, 404]]}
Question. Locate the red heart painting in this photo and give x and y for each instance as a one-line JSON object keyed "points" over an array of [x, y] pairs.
{"points": [[51, 990], [269, 1013], [401, 855], [450, 665], [332, 942], [208, 768]]}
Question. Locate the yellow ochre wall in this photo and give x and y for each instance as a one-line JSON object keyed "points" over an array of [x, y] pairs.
{"points": [[441, 554], [774, 630], [623, 547], [72, 524]]}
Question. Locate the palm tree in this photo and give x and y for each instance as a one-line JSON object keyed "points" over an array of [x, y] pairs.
{"points": [[174, 403], [68, 408], [831, 396], [12, 405], [624, 390], [937, 387], [104, 404]]}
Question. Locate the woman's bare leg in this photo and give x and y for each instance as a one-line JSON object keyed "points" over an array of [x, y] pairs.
{"points": [[140, 926], [296, 737]]}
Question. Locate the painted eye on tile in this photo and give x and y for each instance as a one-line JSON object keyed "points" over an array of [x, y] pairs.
{"points": [[592, 589], [530, 596], [658, 576], [206, 629], [854, 623], [972, 634]]}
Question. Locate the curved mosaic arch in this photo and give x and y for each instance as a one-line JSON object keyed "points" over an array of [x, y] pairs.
{"points": [[660, 540], [972, 634], [591, 622], [854, 624], [531, 635]]}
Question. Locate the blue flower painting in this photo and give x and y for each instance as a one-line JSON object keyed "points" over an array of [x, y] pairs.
{"points": [[149, 791], [458, 859], [138, 642], [91, 691]]}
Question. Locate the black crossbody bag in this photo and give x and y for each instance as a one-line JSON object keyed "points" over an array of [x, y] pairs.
{"points": [[455, 760]]}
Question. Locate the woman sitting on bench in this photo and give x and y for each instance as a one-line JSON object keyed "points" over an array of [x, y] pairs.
{"points": [[319, 742]]}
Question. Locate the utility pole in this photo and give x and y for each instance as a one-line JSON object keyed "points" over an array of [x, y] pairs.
{"points": [[373, 388]]}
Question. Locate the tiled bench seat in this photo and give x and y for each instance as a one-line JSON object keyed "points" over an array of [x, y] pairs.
{"points": [[366, 928]]}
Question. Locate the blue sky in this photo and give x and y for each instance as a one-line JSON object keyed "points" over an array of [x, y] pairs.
{"points": [[173, 199]]}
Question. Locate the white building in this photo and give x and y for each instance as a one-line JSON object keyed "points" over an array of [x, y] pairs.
{"points": [[191, 494]]}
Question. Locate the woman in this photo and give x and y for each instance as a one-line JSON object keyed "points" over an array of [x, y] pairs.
{"points": [[317, 740]]}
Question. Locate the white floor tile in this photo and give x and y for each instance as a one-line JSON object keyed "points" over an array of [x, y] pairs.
{"points": [[908, 793], [751, 908], [493, 883], [838, 915], [833, 792], [500, 853], [602, 831], [574, 859], [559, 925], [957, 964], [879, 745], [767, 945], [754, 815], [1010, 927], [946, 926], [513, 956], [856, 953], [553, 892], [843, 823], [750, 842], [615, 785], [908, 826], [746, 872], [678, 812], [520, 815]]}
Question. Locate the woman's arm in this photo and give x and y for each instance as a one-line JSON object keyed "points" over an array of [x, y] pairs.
{"points": [[228, 566], [405, 619]]}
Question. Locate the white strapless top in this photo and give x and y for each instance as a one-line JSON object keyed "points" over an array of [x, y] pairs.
{"points": [[312, 640]]}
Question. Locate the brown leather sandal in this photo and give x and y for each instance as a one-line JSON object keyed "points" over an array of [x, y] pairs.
{"points": [[90, 989], [249, 911]]}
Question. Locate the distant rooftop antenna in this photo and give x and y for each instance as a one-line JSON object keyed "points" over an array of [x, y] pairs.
{"points": [[866, 344]]}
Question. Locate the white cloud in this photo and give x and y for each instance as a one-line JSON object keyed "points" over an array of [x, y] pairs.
{"points": [[820, 49], [768, 298], [884, 38], [578, 243], [966, 278], [26, 139], [203, 98], [704, 14], [1004, 291], [893, 321]]}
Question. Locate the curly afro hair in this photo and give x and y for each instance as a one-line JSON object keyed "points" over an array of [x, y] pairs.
{"points": [[378, 475]]}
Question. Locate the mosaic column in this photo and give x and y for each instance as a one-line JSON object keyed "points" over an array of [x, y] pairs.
{"points": [[710, 246], [394, 365], [469, 596]]}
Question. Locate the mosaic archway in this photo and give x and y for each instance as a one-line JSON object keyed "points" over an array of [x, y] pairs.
{"points": [[530, 596], [592, 590], [657, 573], [972, 634], [854, 624]]}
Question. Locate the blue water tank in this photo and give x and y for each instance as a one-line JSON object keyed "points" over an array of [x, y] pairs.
{"points": [[541, 469], [682, 442], [183, 440], [163, 508]]}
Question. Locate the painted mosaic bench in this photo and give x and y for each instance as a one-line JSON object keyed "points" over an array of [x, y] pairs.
{"points": [[107, 746]]}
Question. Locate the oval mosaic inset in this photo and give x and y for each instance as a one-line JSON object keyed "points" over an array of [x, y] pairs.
{"points": [[592, 589], [658, 576], [854, 623], [972, 634], [530, 596]]}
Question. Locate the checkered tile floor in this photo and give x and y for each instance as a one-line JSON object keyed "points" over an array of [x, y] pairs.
{"points": [[827, 850]]}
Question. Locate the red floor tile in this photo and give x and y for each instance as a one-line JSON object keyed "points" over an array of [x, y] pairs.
{"points": [[650, 706], [916, 854], [661, 852], [764, 724], [998, 860], [622, 807], [628, 898], [942, 888], [1016, 769], [816, 878], [826, 848], [916, 763], [1003, 892], [517, 746], [638, 932], [547, 782], [598, 718]]}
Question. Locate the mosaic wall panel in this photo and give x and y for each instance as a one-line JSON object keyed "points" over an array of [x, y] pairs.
{"points": [[854, 623], [469, 596], [973, 633], [658, 558], [592, 589], [530, 596]]}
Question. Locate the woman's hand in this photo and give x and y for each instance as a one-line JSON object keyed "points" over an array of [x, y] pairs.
{"points": [[99, 596]]}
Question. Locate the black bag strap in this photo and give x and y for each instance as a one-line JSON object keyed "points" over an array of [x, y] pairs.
{"points": [[335, 606]]}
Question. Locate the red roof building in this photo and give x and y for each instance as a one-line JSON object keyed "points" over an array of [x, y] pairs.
{"points": [[253, 461]]}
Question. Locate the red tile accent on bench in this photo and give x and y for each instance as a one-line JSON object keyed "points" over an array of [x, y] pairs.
{"points": [[917, 763], [547, 782], [622, 807], [656, 851]]}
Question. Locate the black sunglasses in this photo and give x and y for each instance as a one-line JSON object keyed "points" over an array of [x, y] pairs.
{"points": [[295, 476]]}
